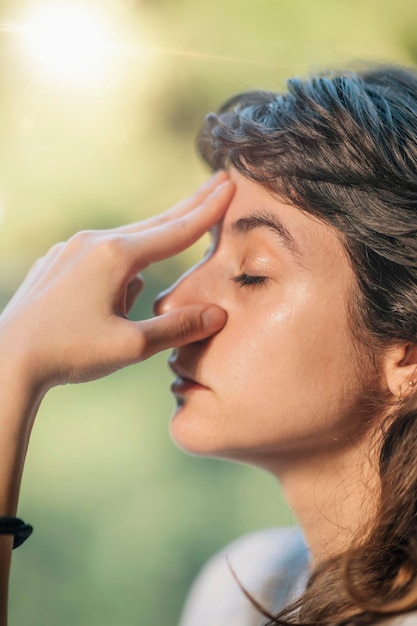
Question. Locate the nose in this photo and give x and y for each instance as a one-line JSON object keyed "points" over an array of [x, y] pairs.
{"points": [[191, 288]]}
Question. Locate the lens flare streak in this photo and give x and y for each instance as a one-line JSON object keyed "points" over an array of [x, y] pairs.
{"points": [[46, 41]]}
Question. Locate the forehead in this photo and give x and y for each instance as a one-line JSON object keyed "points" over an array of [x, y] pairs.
{"points": [[320, 245]]}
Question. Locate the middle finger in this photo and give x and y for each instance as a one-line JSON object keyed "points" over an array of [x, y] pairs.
{"points": [[179, 209]]}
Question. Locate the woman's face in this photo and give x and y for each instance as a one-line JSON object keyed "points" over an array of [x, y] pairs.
{"points": [[284, 375]]}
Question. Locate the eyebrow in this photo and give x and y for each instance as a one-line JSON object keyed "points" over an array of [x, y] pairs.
{"points": [[271, 221]]}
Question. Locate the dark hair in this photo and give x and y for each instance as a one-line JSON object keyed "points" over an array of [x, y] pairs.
{"points": [[343, 146]]}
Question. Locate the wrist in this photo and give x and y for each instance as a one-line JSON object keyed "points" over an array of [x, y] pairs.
{"points": [[20, 370]]}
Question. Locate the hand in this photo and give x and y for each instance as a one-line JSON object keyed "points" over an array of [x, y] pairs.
{"points": [[67, 322]]}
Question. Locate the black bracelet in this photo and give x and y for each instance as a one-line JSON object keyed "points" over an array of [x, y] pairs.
{"points": [[16, 527]]}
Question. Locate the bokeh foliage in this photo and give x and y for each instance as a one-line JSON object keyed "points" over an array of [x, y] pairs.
{"points": [[123, 520]]}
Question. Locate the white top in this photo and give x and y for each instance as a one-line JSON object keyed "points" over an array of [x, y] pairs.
{"points": [[272, 566]]}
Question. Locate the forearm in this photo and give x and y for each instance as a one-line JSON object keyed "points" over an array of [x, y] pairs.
{"points": [[18, 406]]}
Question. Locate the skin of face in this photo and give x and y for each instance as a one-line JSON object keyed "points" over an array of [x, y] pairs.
{"points": [[284, 378]]}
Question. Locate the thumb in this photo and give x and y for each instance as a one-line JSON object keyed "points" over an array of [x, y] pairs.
{"points": [[178, 327]]}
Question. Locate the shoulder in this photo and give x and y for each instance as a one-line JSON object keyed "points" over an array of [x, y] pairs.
{"points": [[268, 563]]}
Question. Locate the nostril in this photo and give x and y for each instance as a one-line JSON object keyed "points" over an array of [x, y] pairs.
{"points": [[160, 305], [180, 293]]}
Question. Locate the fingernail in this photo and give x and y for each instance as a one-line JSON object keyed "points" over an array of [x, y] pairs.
{"points": [[213, 318]]}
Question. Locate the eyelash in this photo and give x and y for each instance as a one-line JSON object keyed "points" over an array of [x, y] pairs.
{"points": [[248, 280]]}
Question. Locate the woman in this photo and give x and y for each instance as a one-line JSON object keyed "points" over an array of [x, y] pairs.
{"points": [[316, 383], [312, 374]]}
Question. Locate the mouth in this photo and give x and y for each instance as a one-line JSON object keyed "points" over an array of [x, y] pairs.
{"points": [[184, 380]]}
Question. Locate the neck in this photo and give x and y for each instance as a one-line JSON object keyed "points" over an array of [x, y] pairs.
{"points": [[333, 496]]}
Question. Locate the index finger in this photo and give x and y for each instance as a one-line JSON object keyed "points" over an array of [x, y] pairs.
{"points": [[172, 237], [179, 209]]}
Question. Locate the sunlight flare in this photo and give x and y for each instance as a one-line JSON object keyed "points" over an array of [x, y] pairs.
{"points": [[68, 42]]}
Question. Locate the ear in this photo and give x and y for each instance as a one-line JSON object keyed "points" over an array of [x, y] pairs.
{"points": [[400, 369]]}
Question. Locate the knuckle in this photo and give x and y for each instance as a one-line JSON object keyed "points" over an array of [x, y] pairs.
{"points": [[111, 246], [140, 345], [95, 243], [185, 325], [56, 248], [184, 229], [80, 240]]}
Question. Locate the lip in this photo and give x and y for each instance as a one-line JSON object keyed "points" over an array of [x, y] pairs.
{"points": [[184, 380], [181, 386]]}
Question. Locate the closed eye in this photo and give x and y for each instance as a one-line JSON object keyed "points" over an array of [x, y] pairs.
{"points": [[248, 280]]}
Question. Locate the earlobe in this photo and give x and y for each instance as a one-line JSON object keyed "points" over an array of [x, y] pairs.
{"points": [[400, 369]]}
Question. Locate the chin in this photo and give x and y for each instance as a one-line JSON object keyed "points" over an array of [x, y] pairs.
{"points": [[199, 436], [197, 433], [189, 435]]}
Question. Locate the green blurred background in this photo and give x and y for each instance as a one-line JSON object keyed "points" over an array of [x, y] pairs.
{"points": [[123, 519]]}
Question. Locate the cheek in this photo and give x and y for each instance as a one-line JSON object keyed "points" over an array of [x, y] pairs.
{"points": [[293, 355], [282, 379]]}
